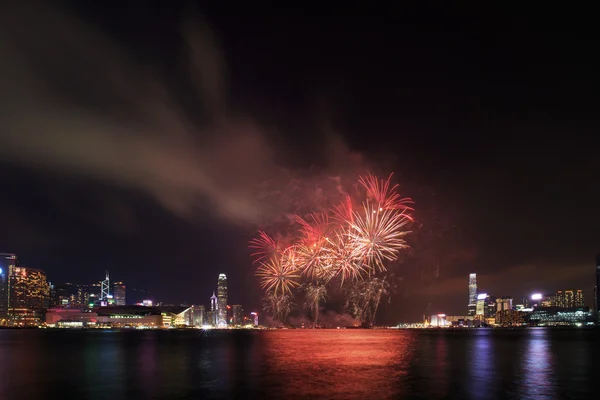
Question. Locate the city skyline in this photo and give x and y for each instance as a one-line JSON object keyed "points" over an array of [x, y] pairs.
{"points": [[170, 172]]}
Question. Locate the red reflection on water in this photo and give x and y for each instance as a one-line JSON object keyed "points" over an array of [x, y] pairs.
{"points": [[338, 364]]}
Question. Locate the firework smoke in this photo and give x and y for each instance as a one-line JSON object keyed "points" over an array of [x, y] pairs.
{"points": [[347, 244]]}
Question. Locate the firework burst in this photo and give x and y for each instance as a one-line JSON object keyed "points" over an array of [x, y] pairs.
{"points": [[378, 235], [382, 193], [345, 244], [279, 274], [265, 247]]}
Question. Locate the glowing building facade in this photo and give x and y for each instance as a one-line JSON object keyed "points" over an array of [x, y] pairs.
{"points": [[119, 293], [7, 263], [213, 310], [568, 299], [197, 315], [28, 291], [222, 301], [238, 317], [472, 294], [597, 287]]}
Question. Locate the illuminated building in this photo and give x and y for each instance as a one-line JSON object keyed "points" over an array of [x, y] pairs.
{"points": [[222, 301], [490, 307], [597, 287], [237, 315], [568, 299], [132, 316], [536, 299], [561, 316], [70, 317], [559, 299], [503, 303], [197, 316], [213, 310], [439, 321], [7, 262], [579, 301], [175, 316], [105, 290], [255, 318], [119, 292], [509, 317], [209, 318], [481, 304], [64, 295], [472, 294], [548, 300], [28, 290]]}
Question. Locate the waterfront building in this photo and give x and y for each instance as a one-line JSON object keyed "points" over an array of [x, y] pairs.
{"points": [[222, 301], [28, 292], [559, 299], [509, 317], [119, 293], [481, 305], [597, 288], [7, 262], [213, 310], [132, 316], [547, 300], [490, 307], [237, 315], [568, 299], [208, 318], [579, 300], [472, 294], [105, 290], [175, 316], [504, 303], [70, 317], [561, 316], [197, 316]]}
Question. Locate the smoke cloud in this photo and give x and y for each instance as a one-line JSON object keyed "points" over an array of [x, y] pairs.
{"points": [[76, 102]]}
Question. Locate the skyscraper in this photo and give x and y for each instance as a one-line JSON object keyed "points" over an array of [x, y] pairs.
{"points": [[28, 292], [222, 301], [472, 294], [237, 315], [579, 301], [7, 263], [569, 299], [105, 290], [597, 288], [214, 306], [198, 316], [119, 292]]}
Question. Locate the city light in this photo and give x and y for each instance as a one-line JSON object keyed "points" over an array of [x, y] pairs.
{"points": [[536, 296], [481, 296]]}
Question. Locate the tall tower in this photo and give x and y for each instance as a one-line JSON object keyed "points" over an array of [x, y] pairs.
{"points": [[119, 293], [597, 288], [222, 301], [104, 289], [8, 262], [472, 294], [214, 306]]}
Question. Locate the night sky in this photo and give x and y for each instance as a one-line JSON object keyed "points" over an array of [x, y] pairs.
{"points": [[134, 138]]}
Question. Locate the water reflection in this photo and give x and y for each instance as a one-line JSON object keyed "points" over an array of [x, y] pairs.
{"points": [[291, 364], [481, 380], [337, 364]]}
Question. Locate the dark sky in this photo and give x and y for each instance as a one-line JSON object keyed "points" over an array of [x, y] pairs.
{"points": [[132, 139]]}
